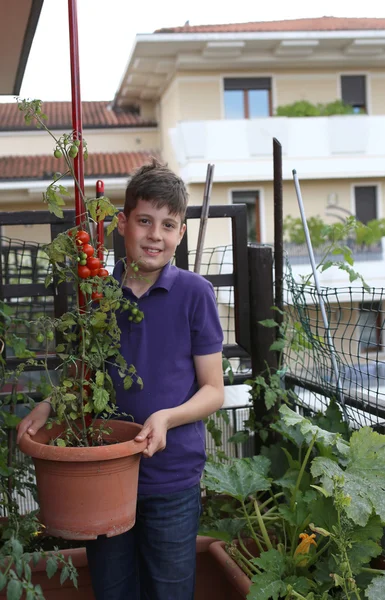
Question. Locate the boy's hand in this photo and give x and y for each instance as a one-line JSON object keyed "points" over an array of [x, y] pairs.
{"points": [[155, 430], [36, 419]]}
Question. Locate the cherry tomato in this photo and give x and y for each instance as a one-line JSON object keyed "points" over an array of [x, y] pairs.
{"points": [[93, 263], [58, 153], [84, 272], [82, 237], [40, 338], [94, 272], [96, 296], [88, 249], [103, 273]]}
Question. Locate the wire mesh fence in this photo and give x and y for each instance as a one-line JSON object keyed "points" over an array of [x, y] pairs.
{"points": [[356, 318]]}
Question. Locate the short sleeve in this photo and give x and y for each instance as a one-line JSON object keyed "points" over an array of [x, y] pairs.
{"points": [[206, 330]]}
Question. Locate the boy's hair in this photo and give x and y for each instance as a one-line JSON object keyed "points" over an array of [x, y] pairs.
{"points": [[156, 183]]}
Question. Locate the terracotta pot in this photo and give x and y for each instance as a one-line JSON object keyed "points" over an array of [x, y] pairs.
{"points": [[210, 583], [52, 589], [86, 492], [240, 582]]}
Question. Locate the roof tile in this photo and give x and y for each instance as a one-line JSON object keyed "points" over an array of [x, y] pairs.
{"points": [[94, 115], [317, 24], [117, 164]]}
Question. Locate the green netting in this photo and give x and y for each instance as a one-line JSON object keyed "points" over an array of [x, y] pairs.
{"points": [[356, 320]]}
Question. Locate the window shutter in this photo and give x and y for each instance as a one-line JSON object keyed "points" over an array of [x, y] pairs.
{"points": [[353, 88], [243, 83]]}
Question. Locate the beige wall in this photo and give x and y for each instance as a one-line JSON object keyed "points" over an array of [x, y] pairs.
{"points": [[35, 143], [315, 88], [204, 105], [315, 195], [200, 96], [169, 115]]}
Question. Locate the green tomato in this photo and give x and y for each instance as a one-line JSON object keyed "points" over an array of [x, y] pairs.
{"points": [[73, 152], [40, 338], [58, 153], [77, 143], [83, 262], [50, 335]]}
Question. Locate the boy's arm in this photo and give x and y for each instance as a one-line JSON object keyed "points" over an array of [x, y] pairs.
{"points": [[208, 399], [210, 396]]}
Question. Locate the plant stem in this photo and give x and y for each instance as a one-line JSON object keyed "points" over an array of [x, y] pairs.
{"points": [[302, 470], [252, 532], [262, 526], [373, 571]]}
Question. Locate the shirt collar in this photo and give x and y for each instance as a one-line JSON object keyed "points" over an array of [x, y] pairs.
{"points": [[165, 280]]}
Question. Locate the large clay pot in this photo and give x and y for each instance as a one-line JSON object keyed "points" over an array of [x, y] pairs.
{"points": [[240, 583], [86, 492]]}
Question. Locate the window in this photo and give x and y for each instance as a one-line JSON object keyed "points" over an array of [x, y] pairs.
{"points": [[370, 323], [247, 98], [365, 198], [251, 199], [353, 91]]}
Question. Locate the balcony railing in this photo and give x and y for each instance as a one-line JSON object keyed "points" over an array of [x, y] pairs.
{"points": [[298, 253], [337, 146]]}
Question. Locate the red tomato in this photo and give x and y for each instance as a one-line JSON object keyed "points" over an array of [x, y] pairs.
{"points": [[97, 296], [88, 249], [84, 272], [82, 237], [94, 272], [93, 263], [103, 273]]}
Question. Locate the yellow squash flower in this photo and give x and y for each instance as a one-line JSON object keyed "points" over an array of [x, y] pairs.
{"points": [[304, 547]]}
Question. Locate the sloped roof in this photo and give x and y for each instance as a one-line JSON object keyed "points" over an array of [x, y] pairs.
{"points": [[317, 24], [94, 114], [114, 164]]}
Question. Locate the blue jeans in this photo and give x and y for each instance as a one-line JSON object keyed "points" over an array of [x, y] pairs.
{"points": [[155, 560]]}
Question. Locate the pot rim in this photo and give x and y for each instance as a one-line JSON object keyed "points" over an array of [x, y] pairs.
{"points": [[41, 451]]}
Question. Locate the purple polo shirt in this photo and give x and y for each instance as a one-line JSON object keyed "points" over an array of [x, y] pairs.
{"points": [[180, 321]]}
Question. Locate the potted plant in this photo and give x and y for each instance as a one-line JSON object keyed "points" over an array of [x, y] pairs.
{"points": [[24, 566], [309, 515], [86, 458]]}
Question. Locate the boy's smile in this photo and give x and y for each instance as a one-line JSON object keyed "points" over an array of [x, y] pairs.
{"points": [[151, 236]]}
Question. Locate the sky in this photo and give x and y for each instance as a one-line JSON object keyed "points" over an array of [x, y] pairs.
{"points": [[107, 32]]}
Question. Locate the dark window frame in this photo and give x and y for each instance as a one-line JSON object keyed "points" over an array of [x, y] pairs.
{"points": [[246, 84], [375, 307], [366, 185], [349, 96]]}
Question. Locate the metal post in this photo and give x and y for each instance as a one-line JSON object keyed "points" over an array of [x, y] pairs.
{"points": [[76, 110], [204, 217], [278, 228], [100, 225], [329, 339]]}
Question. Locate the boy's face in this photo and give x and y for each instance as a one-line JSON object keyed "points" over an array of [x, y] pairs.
{"points": [[151, 235]]}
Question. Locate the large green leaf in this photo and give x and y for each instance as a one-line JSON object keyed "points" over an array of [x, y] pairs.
{"points": [[243, 477], [294, 420], [268, 585], [376, 589], [363, 479], [224, 529], [365, 544]]}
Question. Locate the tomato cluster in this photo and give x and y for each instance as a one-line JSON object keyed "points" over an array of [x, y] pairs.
{"points": [[89, 265]]}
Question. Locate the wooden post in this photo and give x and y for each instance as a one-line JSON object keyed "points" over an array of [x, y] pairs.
{"points": [[261, 302]]}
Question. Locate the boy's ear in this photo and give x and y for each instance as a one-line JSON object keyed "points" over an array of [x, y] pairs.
{"points": [[122, 220], [182, 232]]}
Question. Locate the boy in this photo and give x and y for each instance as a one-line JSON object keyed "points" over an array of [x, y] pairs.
{"points": [[177, 350]]}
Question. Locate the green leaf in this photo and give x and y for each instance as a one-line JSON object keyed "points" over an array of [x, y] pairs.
{"points": [[269, 323], [111, 226], [61, 443], [270, 398], [224, 529], [64, 575], [3, 580], [268, 585], [101, 398], [278, 345], [99, 378], [376, 589], [363, 479], [243, 477], [127, 382], [51, 567], [14, 589], [239, 438], [308, 430]]}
